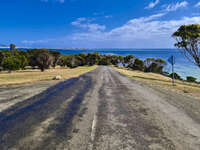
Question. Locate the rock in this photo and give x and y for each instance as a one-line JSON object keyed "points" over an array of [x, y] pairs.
{"points": [[57, 78]]}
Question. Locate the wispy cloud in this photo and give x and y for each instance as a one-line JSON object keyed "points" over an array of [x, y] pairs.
{"points": [[149, 30], [108, 16], [85, 23], [30, 42], [152, 4], [197, 4], [143, 32], [174, 7], [61, 1]]}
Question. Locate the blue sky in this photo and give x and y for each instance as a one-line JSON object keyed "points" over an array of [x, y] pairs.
{"points": [[95, 23]]}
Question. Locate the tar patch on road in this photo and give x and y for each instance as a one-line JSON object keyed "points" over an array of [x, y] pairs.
{"points": [[17, 122]]}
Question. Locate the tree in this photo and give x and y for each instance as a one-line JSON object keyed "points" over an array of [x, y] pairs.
{"points": [[12, 48], [114, 60], [44, 60], [62, 60], [191, 79], [128, 59], [80, 59], [148, 64], [138, 65], [121, 59], [32, 57], [1, 58], [93, 58], [154, 65], [11, 63], [23, 61], [188, 41], [176, 76], [104, 61], [56, 56]]}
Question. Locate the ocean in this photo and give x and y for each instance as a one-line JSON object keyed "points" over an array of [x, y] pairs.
{"points": [[182, 66]]}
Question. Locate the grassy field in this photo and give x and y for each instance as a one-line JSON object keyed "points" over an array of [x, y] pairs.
{"points": [[192, 89], [30, 75]]}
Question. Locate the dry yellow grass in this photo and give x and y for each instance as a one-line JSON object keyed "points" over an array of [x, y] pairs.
{"points": [[192, 89], [28, 76]]}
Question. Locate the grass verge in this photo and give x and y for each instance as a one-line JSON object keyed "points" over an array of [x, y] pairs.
{"points": [[34, 75], [191, 89]]}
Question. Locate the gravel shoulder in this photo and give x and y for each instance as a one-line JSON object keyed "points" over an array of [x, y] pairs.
{"points": [[100, 110]]}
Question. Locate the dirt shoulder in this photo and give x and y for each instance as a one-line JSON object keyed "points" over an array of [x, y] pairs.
{"points": [[35, 75], [160, 81]]}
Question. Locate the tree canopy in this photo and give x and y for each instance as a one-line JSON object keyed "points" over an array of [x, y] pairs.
{"points": [[188, 41]]}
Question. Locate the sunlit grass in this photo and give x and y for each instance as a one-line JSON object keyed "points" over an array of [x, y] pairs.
{"points": [[33, 75], [159, 80]]}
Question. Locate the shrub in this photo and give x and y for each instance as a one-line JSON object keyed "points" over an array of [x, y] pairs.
{"points": [[70, 61], [23, 61], [1, 58], [154, 65], [92, 58], [44, 60], [56, 56], [104, 61], [1, 68], [128, 60], [138, 65], [176, 76], [191, 79], [114, 60], [11, 63]]}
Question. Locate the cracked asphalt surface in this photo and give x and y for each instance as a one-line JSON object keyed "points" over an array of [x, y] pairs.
{"points": [[101, 110]]}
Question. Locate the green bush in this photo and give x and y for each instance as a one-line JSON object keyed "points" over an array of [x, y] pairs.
{"points": [[138, 65], [92, 58], [104, 61], [176, 76], [128, 60], [191, 79], [154, 65], [56, 56], [1, 57], [23, 61], [44, 60], [1, 68], [11, 63]]}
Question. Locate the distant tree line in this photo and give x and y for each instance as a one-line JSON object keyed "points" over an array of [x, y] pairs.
{"points": [[43, 59]]}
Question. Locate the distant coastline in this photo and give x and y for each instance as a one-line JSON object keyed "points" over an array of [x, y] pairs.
{"points": [[97, 49]]}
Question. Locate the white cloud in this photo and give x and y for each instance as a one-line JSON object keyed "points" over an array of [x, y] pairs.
{"points": [[139, 32], [174, 7], [108, 16], [37, 41], [85, 23], [144, 32], [61, 1], [152, 4], [197, 4]]}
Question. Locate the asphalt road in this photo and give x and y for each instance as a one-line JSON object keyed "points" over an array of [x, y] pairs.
{"points": [[102, 110]]}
